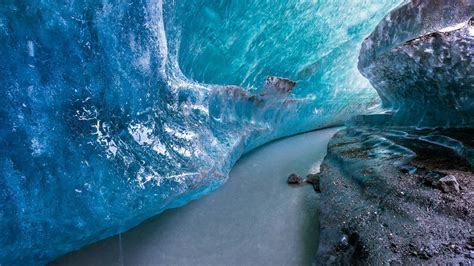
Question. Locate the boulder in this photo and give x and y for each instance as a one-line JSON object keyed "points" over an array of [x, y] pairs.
{"points": [[449, 184], [294, 179], [314, 179]]}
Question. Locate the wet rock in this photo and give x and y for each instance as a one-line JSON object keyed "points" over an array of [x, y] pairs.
{"points": [[449, 184], [314, 179], [294, 179]]}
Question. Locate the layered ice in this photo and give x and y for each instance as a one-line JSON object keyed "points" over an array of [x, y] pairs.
{"points": [[108, 114], [420, 61]]}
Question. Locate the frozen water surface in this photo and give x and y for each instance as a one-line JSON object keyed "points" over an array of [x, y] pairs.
{"points": [[254, 219]]}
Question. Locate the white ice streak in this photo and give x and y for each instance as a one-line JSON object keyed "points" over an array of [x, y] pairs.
{"points": [[143, 135], [104, 139]]}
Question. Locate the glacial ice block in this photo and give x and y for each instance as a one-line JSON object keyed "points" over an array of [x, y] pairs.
{"points": [[420, 61], [100, 129]]}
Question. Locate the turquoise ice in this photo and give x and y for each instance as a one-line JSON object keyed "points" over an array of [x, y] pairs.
{"points": [[109, 113]]}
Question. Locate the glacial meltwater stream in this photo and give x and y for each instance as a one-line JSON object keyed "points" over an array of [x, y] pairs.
{"points": [[256, 218]]}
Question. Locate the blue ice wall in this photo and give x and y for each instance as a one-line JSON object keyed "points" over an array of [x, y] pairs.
{"points": [[107, 115], [420, 59]]}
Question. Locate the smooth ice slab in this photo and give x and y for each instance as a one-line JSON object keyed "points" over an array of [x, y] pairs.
{"points": [[256, 218]]}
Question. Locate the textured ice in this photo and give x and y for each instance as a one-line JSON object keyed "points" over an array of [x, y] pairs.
{"points": [[420, 60], [108, 115]]}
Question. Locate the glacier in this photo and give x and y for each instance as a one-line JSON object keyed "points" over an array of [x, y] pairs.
{"points": [[113, 111], [419, 59]]}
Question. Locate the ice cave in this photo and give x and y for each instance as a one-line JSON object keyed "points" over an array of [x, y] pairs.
{"points": [[224, 132]]}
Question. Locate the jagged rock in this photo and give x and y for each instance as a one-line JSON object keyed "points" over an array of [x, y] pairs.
{"points": [[294, 179], [314, 179], [449, 184]]}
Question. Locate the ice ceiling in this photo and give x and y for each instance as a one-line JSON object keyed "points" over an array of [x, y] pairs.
{"points": [[113, 111]]}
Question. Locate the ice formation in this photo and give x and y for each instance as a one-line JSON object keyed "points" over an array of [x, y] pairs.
{"points": [[108, 115], [420, 60], [392, 181]]}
